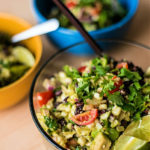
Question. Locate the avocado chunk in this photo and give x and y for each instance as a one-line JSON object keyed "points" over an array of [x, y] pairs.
{"points": [[101, 142]]}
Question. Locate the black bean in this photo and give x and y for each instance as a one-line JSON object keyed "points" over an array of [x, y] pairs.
{"points": [[102, 111], [65, 99], [56, 104], [76, 85], [126, 86], [58, 93], [139, 70], [124, 123], [79, 104], [79, 108], [93, 68], [62, 122], [145, 112], [102, 123], [115, 63], [130, 66], [142, 82], [72, 126]]}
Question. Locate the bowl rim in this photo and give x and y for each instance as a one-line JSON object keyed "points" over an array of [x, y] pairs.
{"points": [[31, 105], [112, 27], [37, 59]]}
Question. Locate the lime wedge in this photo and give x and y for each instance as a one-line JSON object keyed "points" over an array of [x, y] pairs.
{"points": [[139, 129], [130, 143], [23, 55]]}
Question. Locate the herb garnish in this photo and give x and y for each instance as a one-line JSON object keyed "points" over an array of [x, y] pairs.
{"points": [[134, 76], [51, 123], [116, 98]]}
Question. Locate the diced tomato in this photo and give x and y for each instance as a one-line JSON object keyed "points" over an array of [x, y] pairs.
{"points": [[70, 4], [81, 69], [114, 77], [122, 65], [85, 118], [117, 85], [43, 97], [95, 12]]}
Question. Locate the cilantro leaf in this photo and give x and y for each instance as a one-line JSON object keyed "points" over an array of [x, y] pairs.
{"points": [[86, 2], [137, 85], [51, 123], [134, 76], [133, 93], [129, 107], [116, 98], [84, 90], [71, 72], [100, 70], [94, 133]]}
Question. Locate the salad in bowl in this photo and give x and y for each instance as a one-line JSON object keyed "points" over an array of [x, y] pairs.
{"points": [[93, 14], [103, 104]]}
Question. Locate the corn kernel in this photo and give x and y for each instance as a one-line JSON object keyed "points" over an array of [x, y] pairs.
{"points": [[103, 106], [116, 110]]}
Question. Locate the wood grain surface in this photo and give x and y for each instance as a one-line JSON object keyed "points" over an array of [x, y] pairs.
{"points": [[17, 130]]}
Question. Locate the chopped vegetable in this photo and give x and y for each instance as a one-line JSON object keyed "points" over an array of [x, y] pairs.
{"points": [[44, 97], [85, 118], [93, 14], [91, 107], [81, 69], [122, 65], [15, 61]]}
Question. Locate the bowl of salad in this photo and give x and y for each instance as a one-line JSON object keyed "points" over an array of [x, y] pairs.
{"points": [[18, 62], [102, 18], [94, 102]]}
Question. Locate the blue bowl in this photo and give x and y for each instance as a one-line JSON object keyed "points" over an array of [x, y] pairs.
{"points": [[64, 37]]}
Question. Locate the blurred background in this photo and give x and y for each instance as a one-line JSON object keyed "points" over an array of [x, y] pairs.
{"points": [[17, 130]]}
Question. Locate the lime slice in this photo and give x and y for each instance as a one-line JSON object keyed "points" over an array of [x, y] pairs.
{"points": [[130, 143], [140, 129], [23, 55]]}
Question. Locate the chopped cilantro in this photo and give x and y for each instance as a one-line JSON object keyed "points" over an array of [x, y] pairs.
{"points": [[51, 123], [96, 61], [104, 61], [100, 70], [72, 122], [116, 98], [71, 72], [137, 116], [86, 2], [78, 148], [94, 133], [137, 85], [134, 76], [133, 93]]}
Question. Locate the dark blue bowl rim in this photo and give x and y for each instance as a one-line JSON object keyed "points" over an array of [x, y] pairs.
{"points": [[33, 114], [113, 27]]}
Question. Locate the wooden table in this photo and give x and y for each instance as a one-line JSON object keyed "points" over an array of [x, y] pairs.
{"points": [[17, 130]]}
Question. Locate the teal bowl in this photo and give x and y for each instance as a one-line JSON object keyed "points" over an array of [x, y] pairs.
{"points": [[64, 37]]}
